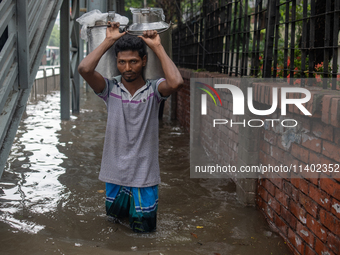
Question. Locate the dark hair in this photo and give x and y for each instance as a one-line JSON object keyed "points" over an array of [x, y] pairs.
{"points": [[130, 42]]}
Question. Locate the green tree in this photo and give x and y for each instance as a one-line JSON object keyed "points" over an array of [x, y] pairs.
{"points": [[55, 37]]}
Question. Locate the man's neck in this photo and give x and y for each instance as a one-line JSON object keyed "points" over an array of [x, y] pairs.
{"points": [[133, 86]]}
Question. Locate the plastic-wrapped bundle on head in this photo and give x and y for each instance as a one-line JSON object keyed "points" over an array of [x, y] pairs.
{"points": [[89, 19]]}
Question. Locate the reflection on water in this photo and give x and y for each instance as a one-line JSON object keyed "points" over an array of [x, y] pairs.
{"points": [[51, 200], [30, 183]]}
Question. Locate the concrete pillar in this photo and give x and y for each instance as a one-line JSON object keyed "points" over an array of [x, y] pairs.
{"points": [[248, 153], [65, 61]]}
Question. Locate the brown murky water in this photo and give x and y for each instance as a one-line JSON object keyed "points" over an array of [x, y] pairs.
{"points": [[51, 201]]}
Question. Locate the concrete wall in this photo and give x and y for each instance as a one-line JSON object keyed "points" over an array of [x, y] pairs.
{"points": [[304, 211], [43, 86]]}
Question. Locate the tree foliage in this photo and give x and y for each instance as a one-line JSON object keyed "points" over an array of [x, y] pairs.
{"points": [[55, 36]]}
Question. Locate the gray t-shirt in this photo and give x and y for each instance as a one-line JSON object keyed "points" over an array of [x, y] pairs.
{"points": [[130, 155]]}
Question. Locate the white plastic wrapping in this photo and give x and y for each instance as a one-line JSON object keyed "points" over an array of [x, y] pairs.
{"points": [[89, 19]]}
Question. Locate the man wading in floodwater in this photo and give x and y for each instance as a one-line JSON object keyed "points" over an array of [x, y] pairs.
{"points": [[130, 165]]}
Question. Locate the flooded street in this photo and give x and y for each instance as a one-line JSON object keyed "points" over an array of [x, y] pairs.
{"points": [[51, 201]]}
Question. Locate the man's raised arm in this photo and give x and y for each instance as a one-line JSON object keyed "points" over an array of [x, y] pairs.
{"points": [[173, 79], [87, 66]]}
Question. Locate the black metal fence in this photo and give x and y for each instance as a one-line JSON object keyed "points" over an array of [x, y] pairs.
{"points": [[260, 38]]}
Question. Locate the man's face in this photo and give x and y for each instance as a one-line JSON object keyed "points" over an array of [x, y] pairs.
{"points": [[130, 64]]}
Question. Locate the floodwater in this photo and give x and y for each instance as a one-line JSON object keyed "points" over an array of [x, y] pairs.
{"points": [[51, 201]]}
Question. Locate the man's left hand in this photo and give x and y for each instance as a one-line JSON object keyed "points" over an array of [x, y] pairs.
{"points": [[151, 38]]}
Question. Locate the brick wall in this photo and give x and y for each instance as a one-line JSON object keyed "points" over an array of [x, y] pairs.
{"points": [[304, 211]]}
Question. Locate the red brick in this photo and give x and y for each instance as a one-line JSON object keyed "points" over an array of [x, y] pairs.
{"points": [[262, 157], [297, 211], [274, 204], [326, 104], [311, 143], [335, 106], [292, 248], [315, 181], [308, 204], [262, 192], [303, 185], [290, 190], [305, 234], [316, 159], [295, 182], [269, 186], [300, 152], [322, 198], [282, 197], [305, 122], [337, 136], [279, 143], [277, 153], [330, 222], [323, 131], [288, 217], [268, 211], [331, 187], [296, 241], [289, 159], [321, 248], [259, 203], [265, 147], [334, 243], [281, 224], [335, 209], [270, 137], [316, 228], [277, 182], [309, 251], [330, 150]]}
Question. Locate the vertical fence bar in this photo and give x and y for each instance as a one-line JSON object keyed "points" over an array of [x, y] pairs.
{"points": [[204, 31], [234, 38], [258, 39], [179, 29], [268, 56], [292, 41], [247, 46], [65, 60], [311, 42], [304, 42], [216, 36], [253, 56], [244, 39], [277, 36], [335, 43], [45, 81], [326, 43], [223, 32], [285, 73], [239, 29], [227, 39]]}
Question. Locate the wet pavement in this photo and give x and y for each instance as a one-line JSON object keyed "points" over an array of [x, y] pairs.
{"points": [[51, 201]]}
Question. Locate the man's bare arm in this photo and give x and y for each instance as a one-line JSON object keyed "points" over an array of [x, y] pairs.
{"points": [[172, 76], [87, 66]]}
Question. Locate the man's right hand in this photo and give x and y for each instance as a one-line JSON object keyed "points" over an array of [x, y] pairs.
{"points": [[112, 31], [88, 65]]}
